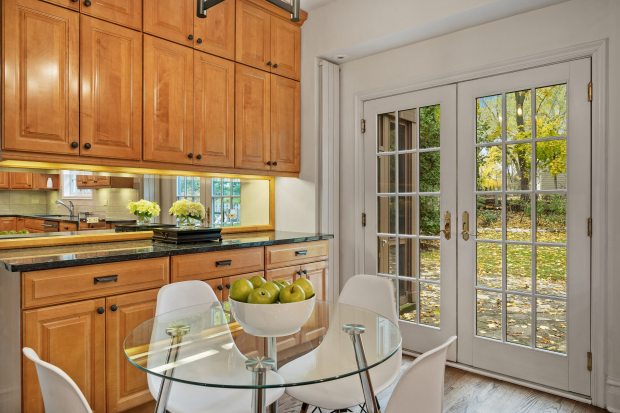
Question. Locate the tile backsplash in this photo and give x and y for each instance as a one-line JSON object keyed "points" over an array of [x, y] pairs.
{"points": [[107, 203], [23, 202]]}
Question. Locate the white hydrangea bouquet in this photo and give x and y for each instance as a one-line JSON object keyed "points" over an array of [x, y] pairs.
{"points": [[144, 210], [187, 211]]}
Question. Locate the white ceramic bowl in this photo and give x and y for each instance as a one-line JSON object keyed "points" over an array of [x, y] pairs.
{"points": [[272, 320]]}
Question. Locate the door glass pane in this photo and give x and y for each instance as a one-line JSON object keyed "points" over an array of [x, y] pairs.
{"points": [[386, 255], [406, 172], [489, 119], [408, 257], [429, 259], [386, 133], [407, 130], [489, 314], [429, 304], [386, 218], [407, 214], [386, 173], [526, 262], [408, 300], [429, 215], [430, 126], [429, 171]]}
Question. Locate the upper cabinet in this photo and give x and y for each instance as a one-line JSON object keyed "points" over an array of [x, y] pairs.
{"points": [[267, 42], [176, 20], [124, 12], [268, 124], [188, 105], [41, 73], [111, 90]]}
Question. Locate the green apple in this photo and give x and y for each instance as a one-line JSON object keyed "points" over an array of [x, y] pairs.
{"points": [[292, 294], [273, 288], [240, 290], [282, 283], [306, 284], [260, 296], [257, 281]]}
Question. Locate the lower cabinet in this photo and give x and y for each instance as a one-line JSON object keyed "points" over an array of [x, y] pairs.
{"points": [[85, 339]]}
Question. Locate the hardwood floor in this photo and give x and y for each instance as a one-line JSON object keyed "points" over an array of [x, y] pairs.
{"points": [[471, 393]]}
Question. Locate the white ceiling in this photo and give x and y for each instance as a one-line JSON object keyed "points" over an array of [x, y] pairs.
{"points": [[313, 4]]}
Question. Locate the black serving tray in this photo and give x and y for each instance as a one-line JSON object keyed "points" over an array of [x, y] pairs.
{"points": [[184, 235], [140, 227]]}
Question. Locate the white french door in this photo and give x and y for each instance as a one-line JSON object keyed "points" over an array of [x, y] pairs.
{"points": [[410, 201], [524, 181], [516, 245]]}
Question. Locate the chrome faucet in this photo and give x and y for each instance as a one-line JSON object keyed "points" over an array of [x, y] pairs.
{"points": [[70, 208]]}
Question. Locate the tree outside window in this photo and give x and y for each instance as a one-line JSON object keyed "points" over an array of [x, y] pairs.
{"points": [[69, 186], [188, 187], [226, 202]]}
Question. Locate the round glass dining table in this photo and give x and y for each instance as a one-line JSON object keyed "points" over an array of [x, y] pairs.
{"points": [[203, 346]]}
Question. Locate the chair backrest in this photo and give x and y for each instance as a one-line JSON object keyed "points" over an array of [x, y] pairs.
{"points": [[420, 388], [372, 292], [183, 294], [60, 393]]}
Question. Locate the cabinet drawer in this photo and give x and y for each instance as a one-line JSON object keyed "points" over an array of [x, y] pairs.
{"points": [[216, 264], [89, 281], [292, 254]]}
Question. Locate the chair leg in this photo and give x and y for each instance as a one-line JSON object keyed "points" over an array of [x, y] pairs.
{"points": [[304, 408]]}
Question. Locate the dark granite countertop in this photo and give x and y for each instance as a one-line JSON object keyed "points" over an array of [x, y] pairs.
{"points": [[31, 259]]}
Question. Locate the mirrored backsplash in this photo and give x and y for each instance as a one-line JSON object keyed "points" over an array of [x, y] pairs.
{"points": [[229, 201]]}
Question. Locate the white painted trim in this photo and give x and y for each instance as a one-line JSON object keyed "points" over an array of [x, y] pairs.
{"points": [[597, 51], [613, 395], [328, 196]]}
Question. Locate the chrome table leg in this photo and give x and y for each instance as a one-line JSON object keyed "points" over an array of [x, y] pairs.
{"points": [[259, 368], [272, 353], [176, 334], [355, 331]]}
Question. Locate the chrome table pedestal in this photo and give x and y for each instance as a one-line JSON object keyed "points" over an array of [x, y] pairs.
{"points": [[259, 367], [355, 331], [176, 334]]}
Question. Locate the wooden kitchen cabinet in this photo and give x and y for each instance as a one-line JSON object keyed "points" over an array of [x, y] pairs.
{"points": [[127, 13], [39, 181], [111, 90], [41, 44], [268, 121], [267, 42], [168, 101], [4, 180], [103, 181], [72, 337], [214, 110], [252, 118], [285, 144], [176, 20], [20, 180], [8, 224], [126, 386]]}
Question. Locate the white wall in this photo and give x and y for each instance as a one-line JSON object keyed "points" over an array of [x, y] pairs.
{"points": [[558, 26]]}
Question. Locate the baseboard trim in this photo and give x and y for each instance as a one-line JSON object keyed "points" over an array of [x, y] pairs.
{"points": [[613, 394], [524, 383]]}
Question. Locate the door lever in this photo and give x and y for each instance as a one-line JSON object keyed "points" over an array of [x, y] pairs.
{"points": [[465, 232], [447, 225]]}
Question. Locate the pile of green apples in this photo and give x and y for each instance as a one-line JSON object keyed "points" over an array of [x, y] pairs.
{"points": [[257, 290]]}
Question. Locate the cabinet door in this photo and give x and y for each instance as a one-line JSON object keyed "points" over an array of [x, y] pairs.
{"points": [[253, 36], [41, 69], [70, 4], [252, 118], [316, 327], [285, 124], [7, 224], [72, 337], [168, 105], [124, 12], [218, 287], [170, 19], [126, 385], [285, 48], [4, 180], [20, 180], [111, 90], [214, 111], [216, 33], [289, 274]]}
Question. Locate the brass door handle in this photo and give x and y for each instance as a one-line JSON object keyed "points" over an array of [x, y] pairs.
{"points": [[465, 231], [447, 225]]}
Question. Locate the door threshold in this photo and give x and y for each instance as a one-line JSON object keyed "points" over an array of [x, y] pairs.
{"points": [[519, 382]]}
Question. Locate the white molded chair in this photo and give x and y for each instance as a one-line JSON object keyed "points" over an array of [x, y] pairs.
{"points": [[367, 291], [186, 398], [60, 393], [420, 388]]}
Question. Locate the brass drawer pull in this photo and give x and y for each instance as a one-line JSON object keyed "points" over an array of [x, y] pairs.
{"points": [[223, 263], [301, 253], [106, 279]]}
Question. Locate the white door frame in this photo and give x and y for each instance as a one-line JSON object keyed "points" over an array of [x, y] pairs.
{"points": [[597, 51]]}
